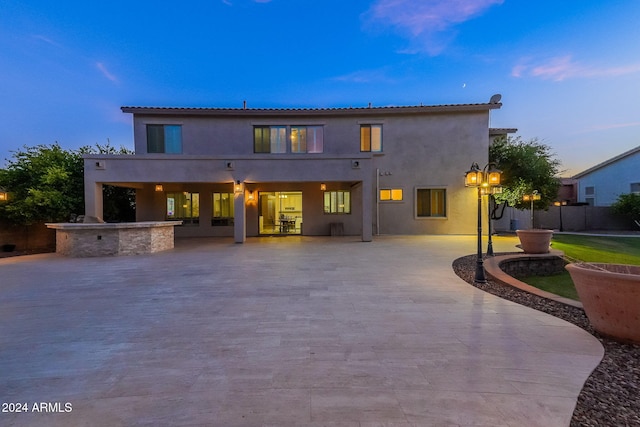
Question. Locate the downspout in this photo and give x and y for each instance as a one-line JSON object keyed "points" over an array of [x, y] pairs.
{"points": [[377, 202]]}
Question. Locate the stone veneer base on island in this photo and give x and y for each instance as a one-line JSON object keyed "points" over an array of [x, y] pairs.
{"points": [[107, 239]]}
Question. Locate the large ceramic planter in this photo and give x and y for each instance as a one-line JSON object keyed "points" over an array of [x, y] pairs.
{"points": [[535, 241], [610, 294]]}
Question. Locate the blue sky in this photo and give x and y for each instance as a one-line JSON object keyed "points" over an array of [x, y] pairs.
{"points": [[568, 71]]}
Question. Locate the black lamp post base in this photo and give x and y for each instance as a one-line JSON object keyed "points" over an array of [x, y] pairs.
{"points": [[480, 276]]}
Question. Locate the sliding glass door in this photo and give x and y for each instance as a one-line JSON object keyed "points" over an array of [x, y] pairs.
{"points": [[280, 212]]}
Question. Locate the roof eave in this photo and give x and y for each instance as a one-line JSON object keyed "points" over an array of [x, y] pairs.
{"points": [[310, 112]]}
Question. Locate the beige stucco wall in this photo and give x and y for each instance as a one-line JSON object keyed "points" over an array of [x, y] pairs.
{"points": [[426, 150], [433, 151]]}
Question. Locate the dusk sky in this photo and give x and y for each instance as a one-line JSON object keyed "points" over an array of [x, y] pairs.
{"points": [[568, 71]]}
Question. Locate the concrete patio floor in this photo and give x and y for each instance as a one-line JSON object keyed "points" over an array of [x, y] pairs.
{"points": [[281, 331]]}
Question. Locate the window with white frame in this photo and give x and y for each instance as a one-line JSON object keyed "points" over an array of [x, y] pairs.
{"points": [[431, 202], [590, 195]]}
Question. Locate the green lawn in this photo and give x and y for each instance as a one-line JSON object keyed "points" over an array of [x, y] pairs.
{"points": [[615, 250], [559, 284]]}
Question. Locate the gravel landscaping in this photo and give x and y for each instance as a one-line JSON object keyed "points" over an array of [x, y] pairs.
{"points": [[611, 395]]}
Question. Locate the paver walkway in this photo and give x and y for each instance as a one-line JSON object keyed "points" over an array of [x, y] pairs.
{"points": [[291, 331]]}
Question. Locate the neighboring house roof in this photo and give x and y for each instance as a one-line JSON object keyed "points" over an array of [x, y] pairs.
{"points": [[567, 181], [608, 162], [312, 111], [501, 131]]}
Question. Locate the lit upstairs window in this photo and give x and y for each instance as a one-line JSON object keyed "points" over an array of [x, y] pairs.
{"points": [[371, 138], [307, 139]]}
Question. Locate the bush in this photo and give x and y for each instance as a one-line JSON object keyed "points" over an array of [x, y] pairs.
{"points": [[629, 205]]}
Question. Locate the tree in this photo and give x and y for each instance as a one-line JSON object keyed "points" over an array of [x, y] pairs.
{"points": [[629, 205], [526, 166], [46, 184]]}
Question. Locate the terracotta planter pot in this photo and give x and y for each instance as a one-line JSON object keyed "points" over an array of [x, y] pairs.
{"points": [[610, 294], [535, 241]]}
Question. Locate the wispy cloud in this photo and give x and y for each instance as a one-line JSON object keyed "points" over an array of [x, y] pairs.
{"points": [[426, 20], [565, 67], [105, 72], [231, 3], [608, 126], [46, 40], [364, 76]]}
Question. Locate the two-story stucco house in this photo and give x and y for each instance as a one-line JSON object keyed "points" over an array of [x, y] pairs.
{"points": [[601, 184], [250, 172]]}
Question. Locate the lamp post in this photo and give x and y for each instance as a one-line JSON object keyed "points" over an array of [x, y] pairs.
{"points": [[491, 192], [560, 204], [532, 197], [4, 196], [484, 180]]}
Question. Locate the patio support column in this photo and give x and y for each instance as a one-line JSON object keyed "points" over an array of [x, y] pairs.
{"points": [[367, 210], [93, 199], [240, 217]]}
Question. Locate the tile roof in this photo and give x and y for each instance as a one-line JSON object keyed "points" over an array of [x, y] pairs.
{"points": [[310, 111]]}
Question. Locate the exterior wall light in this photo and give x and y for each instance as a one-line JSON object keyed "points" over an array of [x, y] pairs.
{"points": [[323, 187], [159, 187], [250, 195], [238, 187], [4, 196]]}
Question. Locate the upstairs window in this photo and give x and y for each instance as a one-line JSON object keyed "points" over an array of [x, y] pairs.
{"points": [[431, 202], [371, 138], [164, 139], [307, 139], [635, 187], [270, 139]]}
